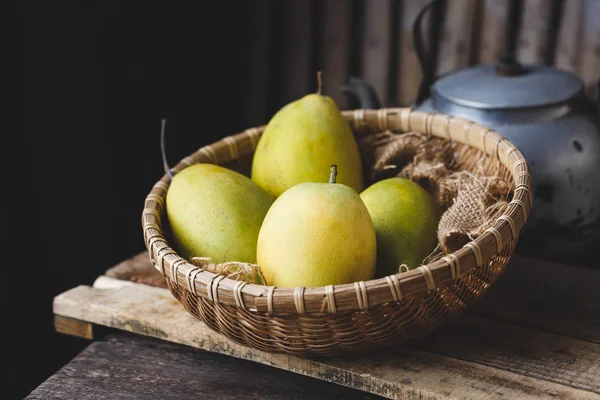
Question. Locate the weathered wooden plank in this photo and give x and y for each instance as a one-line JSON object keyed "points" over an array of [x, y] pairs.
{"points": [[516, 348], [568, 46], [133, 367], [376, 46], [409, 71], [533, 35], [492, 33], [137, 269], [547, 295], [335, 48], [399, 372], [73, 327], [590, 53], [456, 37], [107, 282], [526, 351]]}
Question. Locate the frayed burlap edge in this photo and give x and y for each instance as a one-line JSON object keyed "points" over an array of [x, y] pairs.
{"points": [[471, 201], [233, 270]]}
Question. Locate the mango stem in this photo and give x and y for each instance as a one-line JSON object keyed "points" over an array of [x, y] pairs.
{"points": [[320, 82], [163, 150], [333, 173]]}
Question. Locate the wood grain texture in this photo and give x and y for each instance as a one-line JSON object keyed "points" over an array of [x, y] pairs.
{"points": [[409, 71], [133, 367], [334, 47], [376, 46], [551, 296], [492, 30], [443, 366], [526, 351], [457, 36], [73, 327], [137, 269], [568, 45], [533, 35], [590, 51]]}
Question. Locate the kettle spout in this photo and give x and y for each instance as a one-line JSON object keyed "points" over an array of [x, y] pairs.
{"points": [[362, 91]]}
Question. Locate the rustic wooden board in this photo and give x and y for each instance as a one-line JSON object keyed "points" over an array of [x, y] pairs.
{"points": [[533, 36], [409, 74], [568, 46], [137, 269], [590, 53], [457, 36], [473, 357], [376, 46], [492, 30], [73, 327], [518, 349], [334, 48], [546, 295], [123, 366]]}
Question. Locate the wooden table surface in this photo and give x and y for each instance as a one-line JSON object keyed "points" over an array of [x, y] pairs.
{"points": [[128, 366], [535, 334]]}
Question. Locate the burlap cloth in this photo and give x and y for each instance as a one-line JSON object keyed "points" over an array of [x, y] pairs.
{"points": [[471, 200]]}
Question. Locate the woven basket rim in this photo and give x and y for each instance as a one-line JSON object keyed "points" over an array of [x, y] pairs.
{"points": [[355, 296]]}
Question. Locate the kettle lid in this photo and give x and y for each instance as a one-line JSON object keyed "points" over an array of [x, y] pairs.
{"points": [[483, 87]]}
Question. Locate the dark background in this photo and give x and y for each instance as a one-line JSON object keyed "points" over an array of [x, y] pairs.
{"points": [[97, 79], [98, 76]]}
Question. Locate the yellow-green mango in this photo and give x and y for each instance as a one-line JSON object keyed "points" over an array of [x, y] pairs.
{"points": [[215, 212], [301, 141], [405, 217], [317, 234]]}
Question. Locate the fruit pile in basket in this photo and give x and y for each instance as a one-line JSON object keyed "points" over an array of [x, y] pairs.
{"points": [[303, 218], [347, 230]]}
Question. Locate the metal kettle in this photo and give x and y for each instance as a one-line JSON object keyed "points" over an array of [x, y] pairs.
{"points": [[544, 112]]}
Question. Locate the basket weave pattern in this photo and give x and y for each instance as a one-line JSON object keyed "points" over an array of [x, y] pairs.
{"points": [[350, 317]]}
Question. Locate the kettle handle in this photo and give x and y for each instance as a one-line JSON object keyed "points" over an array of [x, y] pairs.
{"points": [[365, 92], [423, 58]]}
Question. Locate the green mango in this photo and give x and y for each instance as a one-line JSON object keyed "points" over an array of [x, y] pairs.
{"points": [[301, 141], [215, 212], [405, 217], [317, 234]]}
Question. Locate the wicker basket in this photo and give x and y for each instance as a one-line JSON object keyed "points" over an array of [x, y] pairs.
{"points": [[350, 317]]}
